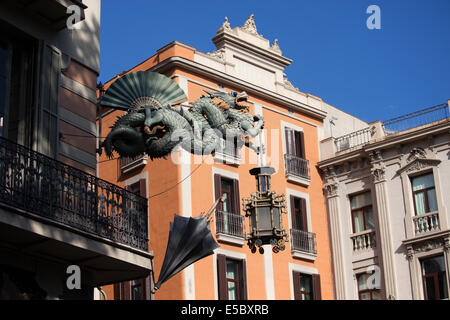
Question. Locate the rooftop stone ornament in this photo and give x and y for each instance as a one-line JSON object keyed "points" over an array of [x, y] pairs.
{"points": [[152, 124], [250, 25]]}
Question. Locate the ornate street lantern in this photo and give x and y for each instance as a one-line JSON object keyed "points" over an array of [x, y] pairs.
{"points": [[265, 209]]}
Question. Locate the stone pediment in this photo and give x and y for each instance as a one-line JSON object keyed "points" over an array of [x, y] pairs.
{"points": [[418, 164], [247, 37]]}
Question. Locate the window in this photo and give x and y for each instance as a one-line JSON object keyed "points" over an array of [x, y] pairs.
{"points": [[424, 194], [137, 289], [362, 217], [301, 239], [137, 187], [295, 143], [232, 278], [227, 187], [364, 292], [229, 146], [228, 214], [132, 290], [20, 84], [3, 82], [295, 157], [306, 286], [299, 216], [434, 278]]}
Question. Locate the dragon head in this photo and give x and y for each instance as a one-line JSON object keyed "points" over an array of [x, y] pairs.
{"points": [[227, 100]]}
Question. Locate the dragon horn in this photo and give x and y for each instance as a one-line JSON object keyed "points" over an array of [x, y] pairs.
{"points": [[208, 92]]}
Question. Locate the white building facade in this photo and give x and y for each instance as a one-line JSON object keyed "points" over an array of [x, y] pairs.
{"points": [[385, 189]]}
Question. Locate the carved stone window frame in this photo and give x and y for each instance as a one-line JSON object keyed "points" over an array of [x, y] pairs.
{"points": [[417, 167], [428, 247]]}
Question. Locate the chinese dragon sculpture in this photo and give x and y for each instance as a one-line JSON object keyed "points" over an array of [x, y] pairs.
{"points": [[152, 125]]}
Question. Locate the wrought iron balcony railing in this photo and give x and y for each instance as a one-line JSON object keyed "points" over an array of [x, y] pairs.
{"points": [[392, 126], [416, 119], [42, 186], [296, 166], [229, 224], [303, 241]]}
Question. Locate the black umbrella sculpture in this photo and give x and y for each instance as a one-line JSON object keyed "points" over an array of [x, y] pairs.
{"points": [[190, 240]]}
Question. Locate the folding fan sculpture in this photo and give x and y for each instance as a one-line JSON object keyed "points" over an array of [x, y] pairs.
{"points": [[153, 126]]}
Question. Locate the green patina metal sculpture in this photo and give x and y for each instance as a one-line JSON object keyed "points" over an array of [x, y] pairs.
{"points": [[152, 125]]}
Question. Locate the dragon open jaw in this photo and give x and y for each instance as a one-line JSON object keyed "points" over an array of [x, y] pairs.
{"points": [[241, 100]]}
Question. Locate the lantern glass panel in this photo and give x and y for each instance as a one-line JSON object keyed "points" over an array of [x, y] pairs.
{"points": [[276, 217], [262, 184], [264, 218], [252, 219]]}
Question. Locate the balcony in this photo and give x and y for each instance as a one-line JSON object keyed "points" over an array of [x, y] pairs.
{"points": [[36, 184], [393, 126], [426, 223], [303, 244], [297, 170], [230, 227], [354, 139], [130, 164], [363, 241], [58, 213], [416, 119]]}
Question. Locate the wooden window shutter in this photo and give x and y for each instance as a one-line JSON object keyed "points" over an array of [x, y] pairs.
{"points": [[317, 292], [222, 277], [293, 217], [122, 291], [126, 290], [143, 188], [290, 142], [304, 214], [218, 190], [117, 293], [237, 197], [48, 119], [146, 285], [300, 144], [296, 279], [243, 280]]}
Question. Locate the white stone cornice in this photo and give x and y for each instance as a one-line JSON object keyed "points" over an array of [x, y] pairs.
{"points": [[250, 88]]}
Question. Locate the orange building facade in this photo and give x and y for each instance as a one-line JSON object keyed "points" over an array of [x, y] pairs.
{"points": [[188, 185]]}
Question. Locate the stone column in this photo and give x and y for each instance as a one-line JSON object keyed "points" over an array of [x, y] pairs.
{"points": [[331, 191], [385, 232], [415, 281], [446, 245]]}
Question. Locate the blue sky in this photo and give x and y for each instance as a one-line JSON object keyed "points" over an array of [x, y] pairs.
{"points": [[372, 74]]}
